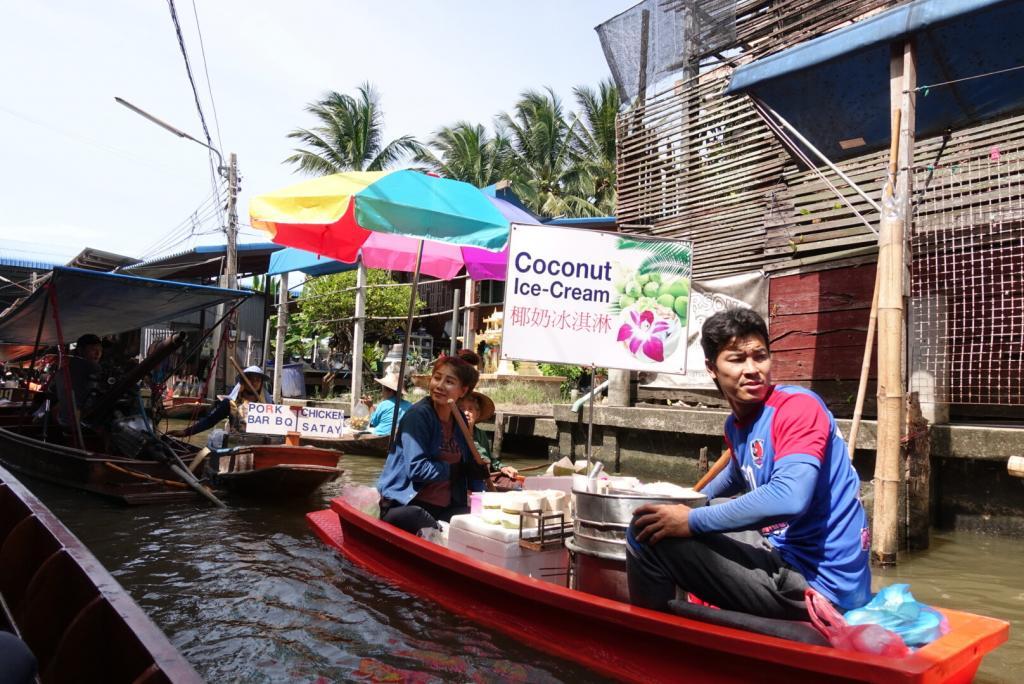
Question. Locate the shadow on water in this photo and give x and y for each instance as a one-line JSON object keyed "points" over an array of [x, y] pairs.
{"points": [[249, 594]]}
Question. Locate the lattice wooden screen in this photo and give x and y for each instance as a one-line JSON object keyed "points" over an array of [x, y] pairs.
{"points": [[967, 273]]}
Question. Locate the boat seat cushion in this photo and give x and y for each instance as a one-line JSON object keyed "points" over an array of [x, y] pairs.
{"points": [[791, 630]]}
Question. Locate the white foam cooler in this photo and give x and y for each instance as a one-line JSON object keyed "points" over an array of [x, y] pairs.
{"points": [[498, 545]]}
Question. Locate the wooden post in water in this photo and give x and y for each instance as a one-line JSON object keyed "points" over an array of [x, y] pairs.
{"points": [[888, 474], [919, 473], [282, 328]]}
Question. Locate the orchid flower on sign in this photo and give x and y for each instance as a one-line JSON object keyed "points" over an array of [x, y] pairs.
{"points": [[643, 334]]}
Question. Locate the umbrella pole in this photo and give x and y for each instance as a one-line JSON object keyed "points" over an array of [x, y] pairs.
{"points": [[405, 345], [358, 332]]}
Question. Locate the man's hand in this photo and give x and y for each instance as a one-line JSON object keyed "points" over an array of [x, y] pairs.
{"points": [[366, 401], [509, 472], [657, 521]]}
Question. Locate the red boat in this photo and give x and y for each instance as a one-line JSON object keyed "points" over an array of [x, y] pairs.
{"points": [[624, 641], [276, 470], [184, 407]]}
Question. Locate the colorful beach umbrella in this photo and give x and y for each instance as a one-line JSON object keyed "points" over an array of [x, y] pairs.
{"points": [[336, 215], [318, 217], [346, 215]]}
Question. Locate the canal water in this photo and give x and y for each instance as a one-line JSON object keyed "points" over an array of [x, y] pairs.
{"points": [[249, 594]]}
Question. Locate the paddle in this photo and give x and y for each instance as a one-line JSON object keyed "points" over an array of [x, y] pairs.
{"points": [[713, 472], [460, 420], [245, 380]]}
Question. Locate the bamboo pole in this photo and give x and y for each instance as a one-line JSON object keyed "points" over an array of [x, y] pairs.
{"points": [[865, 367], [890, 322]]}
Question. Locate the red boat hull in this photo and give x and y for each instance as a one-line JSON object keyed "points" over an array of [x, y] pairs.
{"points": [[627, 642], [280, 471]]}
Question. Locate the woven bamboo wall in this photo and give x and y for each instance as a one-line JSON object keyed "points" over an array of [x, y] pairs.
{"points": [[695, 164]]}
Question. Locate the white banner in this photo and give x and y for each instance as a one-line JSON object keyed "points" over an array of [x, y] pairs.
{"points": [[587, 298], [308, 421], [708, 297]]}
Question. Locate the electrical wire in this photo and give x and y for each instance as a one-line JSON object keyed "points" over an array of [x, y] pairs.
{"points": [[181, 230], [206, 72], [207, 208], [195, 92]]}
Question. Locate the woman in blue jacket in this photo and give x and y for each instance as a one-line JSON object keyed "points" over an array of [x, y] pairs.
{"points": [[430, 466]]}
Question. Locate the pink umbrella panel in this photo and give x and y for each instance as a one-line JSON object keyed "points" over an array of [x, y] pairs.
{"points": [[441, 259]]}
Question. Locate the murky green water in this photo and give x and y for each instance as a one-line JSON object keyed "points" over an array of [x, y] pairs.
{"points": [[249, 594]]}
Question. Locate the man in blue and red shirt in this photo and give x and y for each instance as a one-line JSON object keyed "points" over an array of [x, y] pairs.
{"points": [[798, 519]]}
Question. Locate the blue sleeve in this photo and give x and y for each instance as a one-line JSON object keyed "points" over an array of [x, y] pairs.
{"points": [[376, 415], [726, 483], [415, 439], [220, 411], [786, 495]]}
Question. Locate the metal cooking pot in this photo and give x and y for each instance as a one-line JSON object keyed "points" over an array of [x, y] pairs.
{"points": [[618, 508]]}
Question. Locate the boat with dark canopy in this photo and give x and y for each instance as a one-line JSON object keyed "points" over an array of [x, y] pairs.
{"points": [[117, 454]]}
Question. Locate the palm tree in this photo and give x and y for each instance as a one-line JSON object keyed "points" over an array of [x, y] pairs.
{"points": [[596, 137], [464, 151], [543, 163], [348, 137]]}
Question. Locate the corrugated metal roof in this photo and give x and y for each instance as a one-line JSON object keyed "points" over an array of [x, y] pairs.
{"points": [[23, 263]]}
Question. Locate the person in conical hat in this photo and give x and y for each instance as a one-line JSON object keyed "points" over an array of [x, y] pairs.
{"points": [[478, 408], [229, 405], [383, 414]]}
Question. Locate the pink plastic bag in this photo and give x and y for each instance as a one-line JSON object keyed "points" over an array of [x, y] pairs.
{"points": [[857, 638]]}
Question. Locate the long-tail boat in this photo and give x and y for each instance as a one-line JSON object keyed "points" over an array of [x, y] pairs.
{"points": [[274, 471], [146, 466], [75, 618], [627, 642], [356, 444]]}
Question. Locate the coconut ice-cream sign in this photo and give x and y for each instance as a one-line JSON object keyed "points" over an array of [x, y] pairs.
{"points": [[592, 298]]}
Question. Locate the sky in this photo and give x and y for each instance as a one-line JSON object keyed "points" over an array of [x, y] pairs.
{"points": [[79, 170]]}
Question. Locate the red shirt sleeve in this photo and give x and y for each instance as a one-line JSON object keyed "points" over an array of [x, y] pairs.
{"points": [[800, 426]]}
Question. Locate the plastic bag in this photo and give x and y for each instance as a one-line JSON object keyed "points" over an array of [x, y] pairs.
{"points": [[858, 638], [437, 535], [362, 498], [895, 608]]}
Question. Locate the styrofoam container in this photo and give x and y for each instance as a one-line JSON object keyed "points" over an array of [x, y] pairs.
{"points": [[499, 546], [562, 483]]}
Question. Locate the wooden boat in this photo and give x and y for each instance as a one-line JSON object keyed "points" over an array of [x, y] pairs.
{"points": [[74, 616], [185, 407], [357, 444], [274, 471], [129, 480], [627, 642]]}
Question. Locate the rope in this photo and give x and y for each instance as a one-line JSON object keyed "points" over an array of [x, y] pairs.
{"points": [[965, 78]]}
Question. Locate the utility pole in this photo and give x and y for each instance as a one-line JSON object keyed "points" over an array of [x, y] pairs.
{"points": [[229, 278], [231, 265]]}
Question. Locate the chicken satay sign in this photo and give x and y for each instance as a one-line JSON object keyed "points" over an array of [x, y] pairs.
{"points": [[308, 421], [587, 298]]}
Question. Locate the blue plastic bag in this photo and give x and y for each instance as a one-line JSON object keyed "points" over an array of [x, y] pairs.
{"points": [[895, 608]]}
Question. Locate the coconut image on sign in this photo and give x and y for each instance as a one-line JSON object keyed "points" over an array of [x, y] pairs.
{"points": [[653, 298]]}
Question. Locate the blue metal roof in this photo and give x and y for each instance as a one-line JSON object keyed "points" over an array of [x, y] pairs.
{"points": [[21, 263], [581, 221], [836, 87]]}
